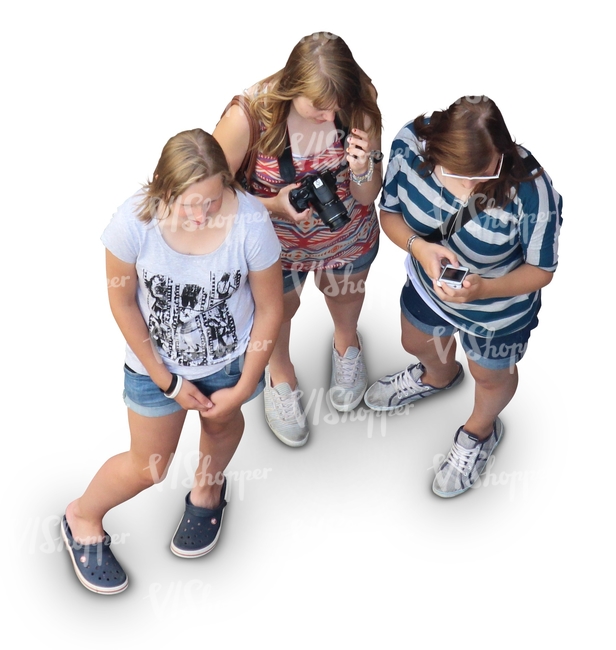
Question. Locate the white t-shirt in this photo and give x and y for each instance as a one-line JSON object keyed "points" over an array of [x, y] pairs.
{"points": [[198, 308]]}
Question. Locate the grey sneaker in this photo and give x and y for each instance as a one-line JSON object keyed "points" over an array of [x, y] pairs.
{"points": [[348, 382], [465, 462], [284, 413], [404, 387]]}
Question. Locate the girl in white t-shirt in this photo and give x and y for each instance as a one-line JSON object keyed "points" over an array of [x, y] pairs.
{"points": [[195, 286]]}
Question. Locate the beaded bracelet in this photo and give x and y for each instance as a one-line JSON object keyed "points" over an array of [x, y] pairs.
{"points": [[365, 177]]}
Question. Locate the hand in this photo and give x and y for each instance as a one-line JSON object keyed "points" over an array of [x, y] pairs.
{"points": [[433, 257], [224, 402], [191, 398], [282, 208], [471, 290], [358, 145]]}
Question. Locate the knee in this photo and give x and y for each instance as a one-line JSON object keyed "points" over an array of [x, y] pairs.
{"points": [[489, 379], [291, 305], [220, 429], [153, 470]]}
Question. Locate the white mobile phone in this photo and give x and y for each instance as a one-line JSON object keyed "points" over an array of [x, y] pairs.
{"points": [[453, 275]]}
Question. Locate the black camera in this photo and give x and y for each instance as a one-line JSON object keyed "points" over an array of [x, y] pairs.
{"points": [[319, 192]]}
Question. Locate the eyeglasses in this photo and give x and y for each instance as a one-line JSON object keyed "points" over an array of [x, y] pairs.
{"points": [[476, 178]]}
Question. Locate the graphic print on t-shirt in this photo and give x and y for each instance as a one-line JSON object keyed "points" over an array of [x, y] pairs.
{"points": [[190, 324]]}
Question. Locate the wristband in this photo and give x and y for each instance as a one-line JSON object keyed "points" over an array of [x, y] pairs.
{"points": [[409, 243], [174, 388]]}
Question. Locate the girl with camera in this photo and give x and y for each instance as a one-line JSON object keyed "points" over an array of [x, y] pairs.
{"points": [[316, 116]]}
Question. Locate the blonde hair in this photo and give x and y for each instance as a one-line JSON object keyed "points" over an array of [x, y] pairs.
{"points": [[322, 69], [188, 157]]}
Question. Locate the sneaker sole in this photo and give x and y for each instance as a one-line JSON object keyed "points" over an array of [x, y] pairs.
{"points": [[88, 585], [202, 551], [449, 495], [286, 441], [347, 407]]}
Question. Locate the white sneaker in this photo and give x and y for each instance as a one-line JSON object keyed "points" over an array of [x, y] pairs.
{"points": [[284, 413], [466, 460], [404, 387], [348, 382]]}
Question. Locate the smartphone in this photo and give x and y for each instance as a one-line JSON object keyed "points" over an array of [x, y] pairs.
{"points": [[453, 275]]}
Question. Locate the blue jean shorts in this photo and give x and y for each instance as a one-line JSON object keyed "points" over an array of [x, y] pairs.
{"points": [[293, 280], [144, 397], [494, 353]]}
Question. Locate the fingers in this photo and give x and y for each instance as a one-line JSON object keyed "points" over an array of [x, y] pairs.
{"points": [[357, 148]]}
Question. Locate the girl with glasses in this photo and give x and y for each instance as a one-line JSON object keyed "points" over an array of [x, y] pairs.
{"points": [[459, 191]]}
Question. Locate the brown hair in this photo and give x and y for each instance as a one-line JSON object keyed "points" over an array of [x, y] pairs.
{"points": [[464, 138], [187, 158], [321, 68]]}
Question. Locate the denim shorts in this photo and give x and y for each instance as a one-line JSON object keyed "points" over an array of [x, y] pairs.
{"points": [[293, 280], [494, 352], [144, 397]]}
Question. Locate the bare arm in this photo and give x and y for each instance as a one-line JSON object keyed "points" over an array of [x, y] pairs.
{"points": [[360, 145], [524, 279], [233, 135]]}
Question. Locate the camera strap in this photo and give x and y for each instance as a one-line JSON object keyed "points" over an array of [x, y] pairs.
{"points": [[288, 172], [466, 212]]}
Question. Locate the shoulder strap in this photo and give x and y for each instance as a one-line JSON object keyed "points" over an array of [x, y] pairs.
{"points": [[465, 214], [247, 167], [285, 160]]}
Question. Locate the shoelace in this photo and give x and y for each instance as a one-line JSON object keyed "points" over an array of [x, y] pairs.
{"points": [[404, 384], [461, 458], [346, 371], [288, 406]]}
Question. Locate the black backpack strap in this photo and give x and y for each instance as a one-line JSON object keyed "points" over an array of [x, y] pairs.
{"points": [[465, 213]]}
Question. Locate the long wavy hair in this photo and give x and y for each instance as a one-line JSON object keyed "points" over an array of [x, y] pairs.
{"points": [[464, 138], [188, 157], [321, 68]]}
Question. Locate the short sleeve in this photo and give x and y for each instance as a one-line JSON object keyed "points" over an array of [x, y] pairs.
{"points": [[539, 222], [389, 197], [124, 234], [262, 246]]}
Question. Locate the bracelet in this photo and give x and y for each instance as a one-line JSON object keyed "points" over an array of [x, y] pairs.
{"points": [[174, 388], [409, 243], [365, 177]]}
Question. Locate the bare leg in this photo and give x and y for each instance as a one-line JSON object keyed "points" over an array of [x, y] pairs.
{"points": [[153, 442], [219, 440], [344, 296], [281, 368], [437, 354], [494, 389]]}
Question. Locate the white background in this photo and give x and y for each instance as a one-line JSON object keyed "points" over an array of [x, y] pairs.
{"points": [[343, 543]]}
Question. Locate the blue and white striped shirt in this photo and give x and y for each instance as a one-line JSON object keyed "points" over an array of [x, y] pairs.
{"points": [[491, 244]]}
